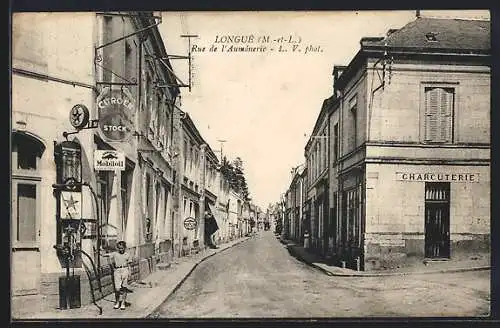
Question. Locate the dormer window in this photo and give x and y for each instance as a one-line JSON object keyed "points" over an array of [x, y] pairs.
{"points": [[431, 37]]}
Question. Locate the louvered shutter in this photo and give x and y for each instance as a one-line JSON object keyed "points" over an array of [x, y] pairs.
{"points": [[446, 112], [431, 114]]}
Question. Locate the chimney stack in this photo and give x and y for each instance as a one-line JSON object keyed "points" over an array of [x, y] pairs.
{"points": [[417, 14]]}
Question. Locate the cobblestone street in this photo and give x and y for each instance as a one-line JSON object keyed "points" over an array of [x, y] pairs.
{"points": [[259, 278]]}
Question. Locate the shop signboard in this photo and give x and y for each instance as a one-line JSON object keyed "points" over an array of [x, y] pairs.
{"points": [[190, 223], [116, 109], [462, 177], [109, 160]]}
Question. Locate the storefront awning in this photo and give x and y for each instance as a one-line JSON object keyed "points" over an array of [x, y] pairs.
{"points": [[211, 225]]}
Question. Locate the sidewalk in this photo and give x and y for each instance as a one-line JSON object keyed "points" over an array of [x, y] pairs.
{"points": [[146, 297], [416, 267]]}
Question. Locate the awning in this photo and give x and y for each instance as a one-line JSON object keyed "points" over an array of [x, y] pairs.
{"points": [[211, 225]]}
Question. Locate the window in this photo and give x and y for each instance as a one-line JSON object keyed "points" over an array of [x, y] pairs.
{"points": [[25, 191], [26, 213], [438, 116], [126, 182], [107, 34], [129, 70], [185, 155], [26, 157], [147, 190], [353, 108], [335, 142], [431, 37], [191, 158], [325, 148]]}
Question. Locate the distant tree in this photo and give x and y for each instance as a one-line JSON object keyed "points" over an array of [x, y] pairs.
{"points": [[233, 172]]}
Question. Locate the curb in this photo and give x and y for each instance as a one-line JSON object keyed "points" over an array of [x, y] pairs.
{"points": [[387, 274], [179, 284]]}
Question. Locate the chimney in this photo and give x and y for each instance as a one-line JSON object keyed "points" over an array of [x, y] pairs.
{"points": [[417, 13], [337, 71]]}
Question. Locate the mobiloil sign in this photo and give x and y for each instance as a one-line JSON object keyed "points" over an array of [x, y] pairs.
{"points": [[109, 160], [116, 114]]}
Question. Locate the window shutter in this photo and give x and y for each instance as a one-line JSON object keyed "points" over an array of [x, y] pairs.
{"points": [[431, 114], [446, 112]]}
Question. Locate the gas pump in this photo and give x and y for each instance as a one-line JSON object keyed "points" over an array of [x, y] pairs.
{"points": [[69, 220]]}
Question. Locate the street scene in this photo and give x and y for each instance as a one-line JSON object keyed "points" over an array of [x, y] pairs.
{"points": [[258, 278], [306, 164]]}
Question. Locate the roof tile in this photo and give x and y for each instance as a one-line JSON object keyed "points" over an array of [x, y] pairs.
{"points": [[449, 34]]}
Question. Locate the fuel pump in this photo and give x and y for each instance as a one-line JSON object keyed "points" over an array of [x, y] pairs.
{"points": [[70, 227]]}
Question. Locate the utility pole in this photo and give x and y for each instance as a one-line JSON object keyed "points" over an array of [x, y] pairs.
{"points": [[221, 141]]}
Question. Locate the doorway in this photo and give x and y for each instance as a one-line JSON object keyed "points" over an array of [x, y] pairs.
{"points": [[437, 220]]}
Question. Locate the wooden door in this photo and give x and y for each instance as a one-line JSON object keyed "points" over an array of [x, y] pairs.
{"points": [[437, 220]]}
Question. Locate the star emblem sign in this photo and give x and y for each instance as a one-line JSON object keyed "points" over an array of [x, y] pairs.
{"points": [[70, 203], [76, 116], [79, 116]]}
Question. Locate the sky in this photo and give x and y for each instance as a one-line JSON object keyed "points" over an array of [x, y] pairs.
{"points": [[265, 104]]}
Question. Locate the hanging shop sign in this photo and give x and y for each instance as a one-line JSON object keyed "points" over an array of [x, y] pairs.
{"points": [[71, 205], [116, 109], [190, 223], [437, 177], [79, 116], [109, 160]]}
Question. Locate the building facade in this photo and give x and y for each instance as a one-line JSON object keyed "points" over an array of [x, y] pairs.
{"points": [[412, 177], [317, 197], [102, 152], [133, 204]]}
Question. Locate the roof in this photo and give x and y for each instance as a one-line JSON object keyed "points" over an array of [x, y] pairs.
{"points": [[450, 34], [455, 37], [196, 134]]}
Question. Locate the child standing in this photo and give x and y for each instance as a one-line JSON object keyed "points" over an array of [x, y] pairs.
{"points": [[120, 261]]}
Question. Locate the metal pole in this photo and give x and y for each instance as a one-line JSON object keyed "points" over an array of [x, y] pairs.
{"points": [[189, 36], [98, 218]]}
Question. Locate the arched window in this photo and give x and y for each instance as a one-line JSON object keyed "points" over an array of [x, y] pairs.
{"points": [[26, 153]]}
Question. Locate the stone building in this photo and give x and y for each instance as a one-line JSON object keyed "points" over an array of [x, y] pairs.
{"points": [[410, 157], [296, 201], [317, 195], [118, 69]]}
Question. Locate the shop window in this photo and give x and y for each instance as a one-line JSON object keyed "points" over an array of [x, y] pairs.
{"points": [[333, 217], [104, 184], [126, 182], [149, 195], [166, 206], [438, 115]]}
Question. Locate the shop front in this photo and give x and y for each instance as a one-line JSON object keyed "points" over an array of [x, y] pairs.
{"points": [[350, 248], [426, 212]]}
